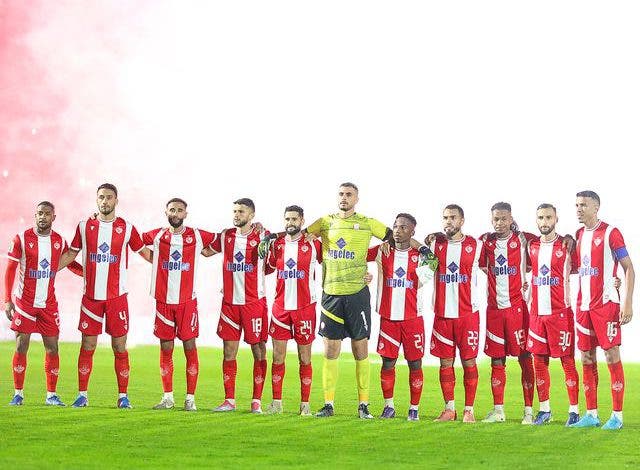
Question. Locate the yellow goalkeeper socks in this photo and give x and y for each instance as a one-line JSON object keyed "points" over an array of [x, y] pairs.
{"points": [[363, 373], [329, 379]]}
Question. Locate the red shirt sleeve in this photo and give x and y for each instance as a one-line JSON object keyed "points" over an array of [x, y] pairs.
{"points": [[15, 249], [216, 244], [616, 242], [76, 243], [135, 241], [147, 237], [318, 245], [207, 237], [372, 253], [482, 260]]}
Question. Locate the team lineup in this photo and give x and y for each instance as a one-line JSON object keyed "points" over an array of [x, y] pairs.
{"points": [[528, 316]]}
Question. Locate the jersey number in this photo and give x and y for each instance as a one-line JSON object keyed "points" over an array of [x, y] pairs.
{"points": [[256, 325]]}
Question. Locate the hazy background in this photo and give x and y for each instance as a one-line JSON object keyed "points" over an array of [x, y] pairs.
{"points": [[420, 103]]}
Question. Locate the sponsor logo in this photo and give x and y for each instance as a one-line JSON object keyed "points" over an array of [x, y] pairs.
{"points": [[502, 268], [176, 264], [44, 273], [341, 253], [104, 256], [586, 269], [545, 279], [240, 266], [453, 276]]}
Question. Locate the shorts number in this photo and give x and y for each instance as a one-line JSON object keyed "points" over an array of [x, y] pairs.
{"points": [[256, 325], [305, 327], [194, 321], [123, 315], [519, 334], [612, 330], [419, 342], [565, 339], [472, 339]]}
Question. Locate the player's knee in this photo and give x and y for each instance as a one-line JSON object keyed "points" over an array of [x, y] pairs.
{"points": [[612, 355], [388, 363], [468, 362], [22, 343], [446, 363], [415, 365], [588, 357], [498, 361]]}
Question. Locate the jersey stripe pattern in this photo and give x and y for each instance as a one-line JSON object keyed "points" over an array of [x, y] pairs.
{"points": [[39, 257], [399, 295], [295, 265], [506, 262], [105, 256], [456, 282], [598, 266], [175, 262], [550, 269], [242, 269]]}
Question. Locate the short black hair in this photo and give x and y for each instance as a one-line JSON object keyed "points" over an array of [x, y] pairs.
{"points": [[245, 201], [501, 206], [294, 208], [455, 207], [47, 204], [546, 205], [409, 217], [592, 194], [349, 185], [177, 199], [110, 186]]}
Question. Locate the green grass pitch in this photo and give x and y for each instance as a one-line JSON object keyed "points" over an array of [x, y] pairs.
{"points": [[101, 436]]}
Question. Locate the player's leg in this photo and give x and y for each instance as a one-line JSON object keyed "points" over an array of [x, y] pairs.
{"points": [[85, 366], [466, 334], [389, 341], [254, 323], [587, 343], [495, 348], [516, 326], [443, 346], [332, 329], [229, 330], [122, 369], [304, 326], [416, 381], [306, 377], [541, 364], [358, 327], [51, 369], [166, 373], [192, 369], [612, 356], [20, 367], [277, 375], [187, 330], [259, 351], [527, 379], [412, 339]]}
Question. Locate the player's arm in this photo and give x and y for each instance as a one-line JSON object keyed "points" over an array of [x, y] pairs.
{"points": [[67, 258], [626, 312], [9, 278], [76, 268], [146, 254], [215, 246]]}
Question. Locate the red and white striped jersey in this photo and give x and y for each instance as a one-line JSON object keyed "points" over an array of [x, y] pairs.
{"points": [[242, 270], [455, 292], [295, 264], [105, 257], [598, 250], [550, 269], [39, 257], [175, 262], [506, 262], [399, 295]]}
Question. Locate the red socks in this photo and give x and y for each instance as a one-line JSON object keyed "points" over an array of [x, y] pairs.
{"points": [[571, 379], [166, 369], [447, 383], [542, 376], [121, 363], [306, 374], [277, 377], [590, 384], [617, 385], [229, 371], [259, 373], [19, 368], [85, 364], [498, 381], [388, 381], [193, 368], [527, 379], [416, 379], [51, 370], [470, 384]]}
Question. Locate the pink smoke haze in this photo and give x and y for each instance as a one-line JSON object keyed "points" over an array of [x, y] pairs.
{"points": [[420, 103]]}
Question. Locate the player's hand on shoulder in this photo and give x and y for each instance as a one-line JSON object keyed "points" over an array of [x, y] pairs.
{"points": [[263, 247], [9, 309], [309, 237], [385, 248], [568, 242], [427, 258]]}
